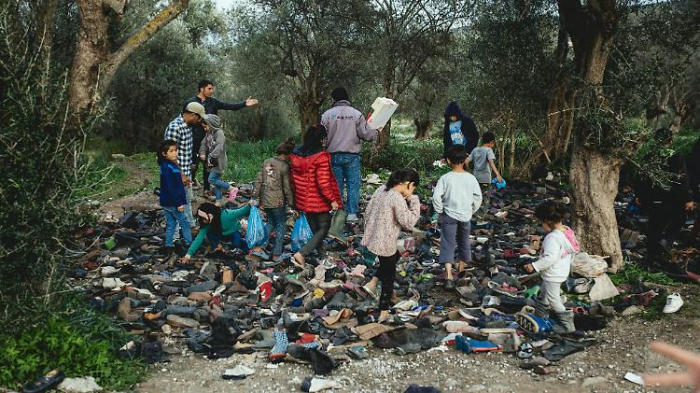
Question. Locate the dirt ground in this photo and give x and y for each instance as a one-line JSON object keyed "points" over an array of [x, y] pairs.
{"points": [[622, 348]]}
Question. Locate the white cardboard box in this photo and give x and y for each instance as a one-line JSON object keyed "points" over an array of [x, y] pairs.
{"points": [[383, 109]]}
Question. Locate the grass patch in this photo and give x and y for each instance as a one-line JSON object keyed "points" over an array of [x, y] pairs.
{"points": [[80, 342], [633, 274]]}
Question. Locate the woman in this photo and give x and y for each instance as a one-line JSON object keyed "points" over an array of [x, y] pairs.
{"points": [[315, 188], [216, 224]]}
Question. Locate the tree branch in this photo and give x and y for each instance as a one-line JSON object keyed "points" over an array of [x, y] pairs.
{"points": [[160, 20]]}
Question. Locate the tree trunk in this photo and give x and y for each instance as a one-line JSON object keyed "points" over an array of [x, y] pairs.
{"points": [[511, 157], [309, 113], [593, 176], [95, 64], [594, 180], [422, 128], [384, 137]]}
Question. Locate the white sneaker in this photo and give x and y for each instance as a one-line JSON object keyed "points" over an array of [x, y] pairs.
{"points": [[352, 218], [673, 303]]}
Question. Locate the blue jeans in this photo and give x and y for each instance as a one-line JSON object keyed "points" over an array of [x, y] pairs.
{"points": [[236, 240], [277, 220], [346, 169], [172, 218], [215, 180]]}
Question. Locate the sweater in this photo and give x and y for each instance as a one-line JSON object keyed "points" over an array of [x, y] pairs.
{"points": [[214, 149], [386, 214], [172, 190], [557, 253], [347, 128], [315, 187], [469, 129], [229, 225], [273, 187], [458, 195]]}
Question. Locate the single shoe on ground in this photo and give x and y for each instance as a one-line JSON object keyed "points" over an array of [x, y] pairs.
{"points": [[673, 303], [279, 351], [45, 382], [312, 384]]}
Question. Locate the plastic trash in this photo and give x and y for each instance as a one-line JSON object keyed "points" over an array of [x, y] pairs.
{"points": [[256, 234], [301, 233], [499, 184]]}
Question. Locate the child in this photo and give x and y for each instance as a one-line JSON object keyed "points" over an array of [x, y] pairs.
{"points": [[456, 197], [558, 249], [172, 193], [392, 207], [217, 223], [213, 151], [274, 191], [483, 157]]}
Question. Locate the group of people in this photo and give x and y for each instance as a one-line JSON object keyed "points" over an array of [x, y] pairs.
{"points": [[321, 179]]}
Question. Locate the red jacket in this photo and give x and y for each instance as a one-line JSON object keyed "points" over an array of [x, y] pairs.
{"points": [[315, 187]]}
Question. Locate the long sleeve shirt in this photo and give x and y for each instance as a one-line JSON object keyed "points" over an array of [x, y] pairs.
{"points": [[557, 252], [458, 195], [229, 225], [172, 191], [181, 133]]}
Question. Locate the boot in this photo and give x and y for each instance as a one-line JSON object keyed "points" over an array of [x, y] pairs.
{"points": [[337, 226], [565, 322]]}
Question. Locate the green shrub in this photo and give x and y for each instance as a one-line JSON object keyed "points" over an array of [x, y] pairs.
{"points": [[79, 343]]}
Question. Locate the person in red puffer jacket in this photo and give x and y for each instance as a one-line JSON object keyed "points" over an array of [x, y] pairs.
{"points": [[316, 191]]}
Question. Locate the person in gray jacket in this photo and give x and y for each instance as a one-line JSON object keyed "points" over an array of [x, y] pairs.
{"points": [[347, 128], [213, 152]]}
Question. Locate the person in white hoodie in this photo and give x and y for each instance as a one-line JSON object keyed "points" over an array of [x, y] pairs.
{"points": [[554, 265]]}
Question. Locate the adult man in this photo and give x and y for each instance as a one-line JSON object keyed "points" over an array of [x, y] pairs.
{"points": [[211, 107], [347, 128], [180, 130]]}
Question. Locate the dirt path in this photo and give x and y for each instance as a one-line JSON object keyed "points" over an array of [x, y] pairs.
{"points": [[622, 348]]}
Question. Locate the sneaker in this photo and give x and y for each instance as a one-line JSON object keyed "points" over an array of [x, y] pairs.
{"points": [[352, 218], [673, 303]]}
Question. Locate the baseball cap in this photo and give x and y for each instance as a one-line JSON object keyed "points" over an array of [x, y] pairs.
{"points": [[197, 108]]}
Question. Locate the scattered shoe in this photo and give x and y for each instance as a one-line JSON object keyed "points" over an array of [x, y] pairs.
{"points": [[673, 303]]}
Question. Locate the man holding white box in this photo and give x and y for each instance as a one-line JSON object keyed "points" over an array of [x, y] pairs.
{"points": [[347, 128]]}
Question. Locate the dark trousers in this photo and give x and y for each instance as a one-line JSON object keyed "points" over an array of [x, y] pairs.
{"points": [[666, 220], [387, 274], [320, 223], [196, 163], [455, 235]]}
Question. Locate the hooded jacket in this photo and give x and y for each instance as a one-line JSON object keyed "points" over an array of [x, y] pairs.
{"points": [[557, 253], [272, 185], [214, 146], [469, 130], [347, 128], [315, 187]]}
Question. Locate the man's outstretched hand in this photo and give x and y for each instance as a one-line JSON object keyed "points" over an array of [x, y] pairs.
{"points": [[691, 360], [251, 101]]}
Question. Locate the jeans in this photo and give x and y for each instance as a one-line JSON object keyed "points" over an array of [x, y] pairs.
{"points": [[320, 223], [172, 218], [455, 234], [277, 220], [189, 195], [236, 239], [346, 169], [215, 180], [387, 274]]}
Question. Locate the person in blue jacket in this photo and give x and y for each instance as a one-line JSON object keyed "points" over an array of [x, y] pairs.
{"points": [[459, 129], [172, 193]]}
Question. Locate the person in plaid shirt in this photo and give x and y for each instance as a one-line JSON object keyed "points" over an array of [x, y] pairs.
{"points": [[180, 130]]}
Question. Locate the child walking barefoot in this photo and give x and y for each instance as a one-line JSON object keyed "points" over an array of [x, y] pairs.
{"points": [[172, 193], [392, 207], [456, 198]]}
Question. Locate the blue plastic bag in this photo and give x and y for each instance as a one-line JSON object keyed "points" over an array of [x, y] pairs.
{"points": [[301, 233], [256, 236], [499, 185]]}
